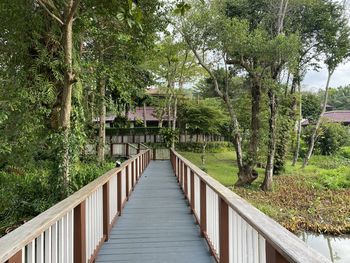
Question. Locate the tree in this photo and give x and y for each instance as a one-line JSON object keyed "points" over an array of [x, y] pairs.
{"points": [[173, 65], [315, 25], [311, 106], [336, 47], [232, 39], [202, 117], [340, 97]]}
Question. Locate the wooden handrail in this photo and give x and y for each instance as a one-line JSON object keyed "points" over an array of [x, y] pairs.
{"points": [[13, 242], [132, 146], [278, 238]]}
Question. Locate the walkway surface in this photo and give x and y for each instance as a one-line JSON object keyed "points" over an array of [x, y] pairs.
{"points": [[156, 224]]}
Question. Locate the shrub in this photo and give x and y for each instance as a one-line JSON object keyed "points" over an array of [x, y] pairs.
{"points": [[332, 138], [85, 173], [170, 136], [345, 152]]}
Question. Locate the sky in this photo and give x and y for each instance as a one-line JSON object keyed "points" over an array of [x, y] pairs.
{"points": [[314, 80]]}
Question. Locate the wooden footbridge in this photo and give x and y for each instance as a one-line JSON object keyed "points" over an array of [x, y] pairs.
{"points": [[138, 213]]}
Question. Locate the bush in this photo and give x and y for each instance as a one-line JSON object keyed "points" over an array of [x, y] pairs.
{"points": [[24, 196], [198, 146], [332, 138], [85, 173], [345, 152]]}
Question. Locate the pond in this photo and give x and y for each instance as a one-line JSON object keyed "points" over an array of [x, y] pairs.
{"points": [[337, 249]]}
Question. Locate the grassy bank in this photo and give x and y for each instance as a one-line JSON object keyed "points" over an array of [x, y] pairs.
{"points": [[316, 198]]}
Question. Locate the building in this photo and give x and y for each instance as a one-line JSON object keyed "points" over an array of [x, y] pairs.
{"points": [[336, 116]]}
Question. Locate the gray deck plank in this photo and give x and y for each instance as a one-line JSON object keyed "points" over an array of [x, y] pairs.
{"points": [[156, 224]]}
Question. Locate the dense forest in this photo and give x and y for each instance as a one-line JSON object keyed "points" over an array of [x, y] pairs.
{"points": [[232, 68]]}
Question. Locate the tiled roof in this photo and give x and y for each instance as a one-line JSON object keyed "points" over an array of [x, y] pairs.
{"points": [[342, 116], [137, 114]]}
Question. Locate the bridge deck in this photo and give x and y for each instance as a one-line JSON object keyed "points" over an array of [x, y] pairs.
{"points": [[156, 224]]}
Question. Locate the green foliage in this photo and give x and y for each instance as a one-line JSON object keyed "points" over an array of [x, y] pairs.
{"points": [[311, 106], [24, 193], [332, 138], [85, 173], [170, 136], [211, 147], [345, 152], [28, 191], [340, 98], [202, 117]]}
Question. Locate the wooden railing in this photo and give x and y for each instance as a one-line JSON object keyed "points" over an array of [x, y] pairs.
{"points": [[236, 232], [74, 229], [124, 149]]}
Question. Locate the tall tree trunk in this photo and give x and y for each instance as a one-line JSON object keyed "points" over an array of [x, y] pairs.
{"points": [[254, 124], [203, 151], [297, 145], [102, 126], [69, 79], [267, 184], [246, 175], [63, 109], [318, 123]]}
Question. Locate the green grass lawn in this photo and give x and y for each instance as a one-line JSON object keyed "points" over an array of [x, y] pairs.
{"points": [[316, 198]]}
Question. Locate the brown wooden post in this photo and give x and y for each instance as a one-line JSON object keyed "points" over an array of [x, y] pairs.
{"points": [[272, 255], [119, 192], [223, 231], [127, 149], [105, 190], [138, 148], [179, 171], [193, 194], [79, 233], [154, 154], [127, 181], [185, 180], [16, 258], [137, 169], [182, 175], [203, 203]]}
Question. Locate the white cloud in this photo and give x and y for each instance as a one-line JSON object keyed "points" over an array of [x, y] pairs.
{"points": [[317, 80]]}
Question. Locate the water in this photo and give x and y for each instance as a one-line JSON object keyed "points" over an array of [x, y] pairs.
{"points": [[337, 249]]}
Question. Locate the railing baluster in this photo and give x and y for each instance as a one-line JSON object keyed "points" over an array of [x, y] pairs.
{"points": [[203, 205], [223, 231], [127, 181], [193, 194], [40, 248], [106, 210], [133, 174], [119, 192], [48, 242], [31, 252], [185, 181]]}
